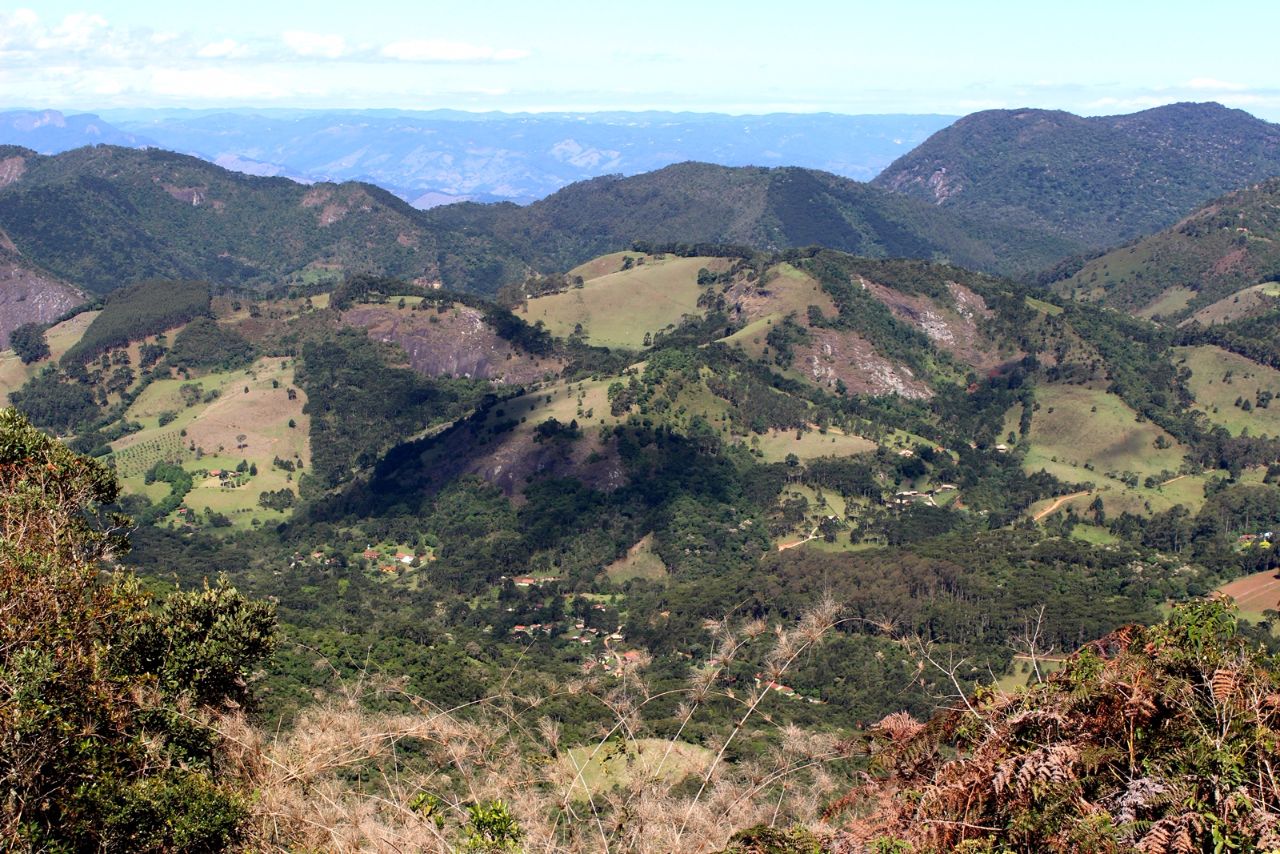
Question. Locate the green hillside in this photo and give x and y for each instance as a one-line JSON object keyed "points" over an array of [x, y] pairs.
{"points": [[1197, 268], [101, 217], [527, 525], [1095, 181]]}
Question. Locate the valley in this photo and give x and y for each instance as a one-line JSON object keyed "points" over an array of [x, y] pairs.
{"points": [[682, 488]]}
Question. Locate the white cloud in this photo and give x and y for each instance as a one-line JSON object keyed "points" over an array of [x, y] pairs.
{"points": [[78, 32], [1215, 85], [439, 50], [322, 45], [207, 83], [224, 49]]}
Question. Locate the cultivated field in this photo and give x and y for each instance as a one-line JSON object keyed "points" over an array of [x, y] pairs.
{"points": [[1219, 378], [1255, 593], [207, 436]]}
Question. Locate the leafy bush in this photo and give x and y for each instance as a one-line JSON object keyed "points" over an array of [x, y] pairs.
{"points": [[1150, 739], [29, 343], [105, 743]]}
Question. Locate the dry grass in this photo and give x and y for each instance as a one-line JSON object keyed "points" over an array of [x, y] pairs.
{"points": [[347, 779]]}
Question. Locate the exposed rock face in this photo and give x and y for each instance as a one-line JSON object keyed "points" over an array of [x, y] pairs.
{"points": [[29, 296], [956, 328], [456, 342], [837, 354], [11, 169]]}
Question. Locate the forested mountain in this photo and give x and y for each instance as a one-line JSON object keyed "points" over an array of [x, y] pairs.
{"points": [[102, 217], [764, 208], [1095, 181], [105, 216], [1207, 265]]}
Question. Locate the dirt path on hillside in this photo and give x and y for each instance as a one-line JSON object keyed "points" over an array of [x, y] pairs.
{"points": [[1056, 504], [813, 535], [1172, 480]]}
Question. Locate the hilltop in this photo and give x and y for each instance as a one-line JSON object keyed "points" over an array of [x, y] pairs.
{"points": [[1095, 181], [768, 209]]}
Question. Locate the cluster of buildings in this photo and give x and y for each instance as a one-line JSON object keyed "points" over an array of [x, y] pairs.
{"points": [[1265, 540], [399, 562]]}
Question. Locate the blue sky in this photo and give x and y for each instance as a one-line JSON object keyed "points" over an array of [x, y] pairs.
{"points": [[744, 57]]}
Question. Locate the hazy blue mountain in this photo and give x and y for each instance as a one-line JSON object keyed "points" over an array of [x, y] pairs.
{"points": [[51, 132], [430, 158]]}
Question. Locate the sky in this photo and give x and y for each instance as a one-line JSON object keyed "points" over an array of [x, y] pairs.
{"points": [[923, 56]]}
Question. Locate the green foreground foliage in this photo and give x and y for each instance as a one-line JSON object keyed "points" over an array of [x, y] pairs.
{"points": [[106, 697]]}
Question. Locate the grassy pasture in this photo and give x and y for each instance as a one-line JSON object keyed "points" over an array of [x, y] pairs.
{"points": [[1079, 426], [617, 309], [61, 337], [1237, 305], [616, 764], [1043, 307], [606, 264], [1080, 434], [1216, 395], [560, 401], [639, 562], [777, 444], [1172, 301]]}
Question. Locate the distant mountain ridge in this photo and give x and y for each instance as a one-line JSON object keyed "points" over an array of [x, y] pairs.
{"points": [[102, 217], [1097, 181], [51, 131], [435, 157], [768, 209]]}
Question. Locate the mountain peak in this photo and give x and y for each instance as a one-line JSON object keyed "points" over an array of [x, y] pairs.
{"points": [[1097, 181]]}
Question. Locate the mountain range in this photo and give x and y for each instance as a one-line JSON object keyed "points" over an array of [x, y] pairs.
{"points": [[104, 216], [435, 157]]}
